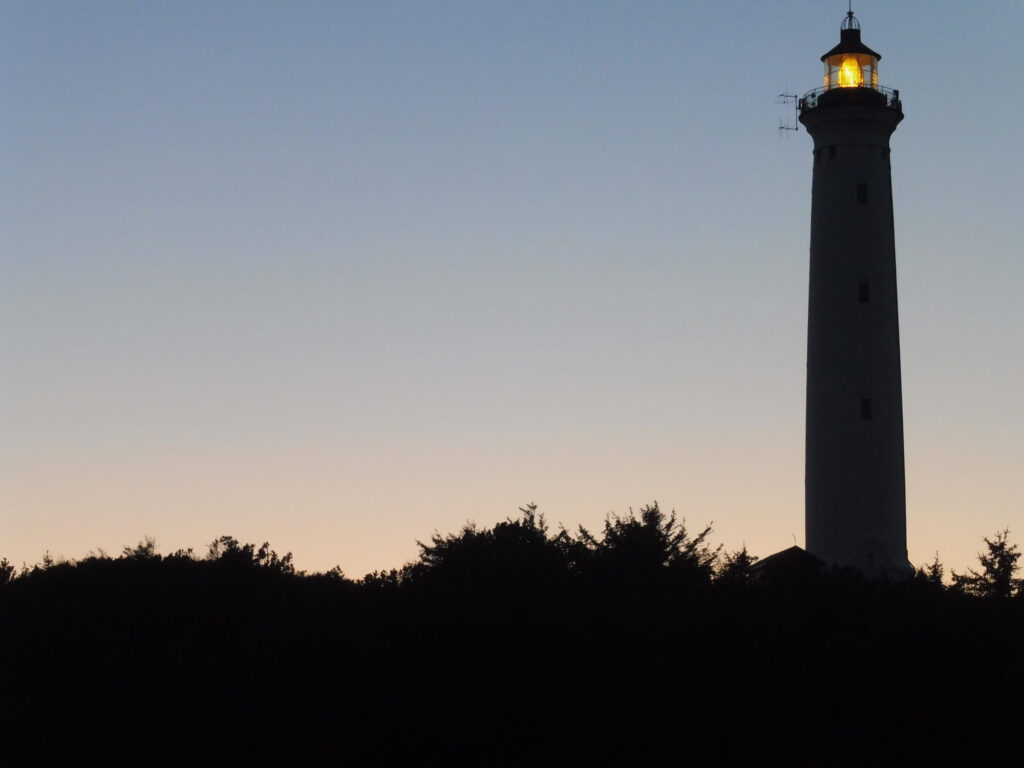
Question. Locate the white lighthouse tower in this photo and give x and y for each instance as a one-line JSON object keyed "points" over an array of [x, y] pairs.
{"points": [[855, 497]]}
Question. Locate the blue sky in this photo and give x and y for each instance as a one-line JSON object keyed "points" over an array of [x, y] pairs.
{"points": [[337, 275]]}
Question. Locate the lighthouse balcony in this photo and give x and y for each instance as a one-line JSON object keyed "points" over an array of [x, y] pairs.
{"points": [[876, 96]]}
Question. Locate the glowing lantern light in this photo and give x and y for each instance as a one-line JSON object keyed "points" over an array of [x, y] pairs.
{"points": [[850, 74]]}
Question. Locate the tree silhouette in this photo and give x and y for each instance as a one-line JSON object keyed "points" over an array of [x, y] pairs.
{"points": [[933, 573], [227, 550], [513, 551], [514, 645], [633, 545], [999, 566], [736, 569], [144, 550]]}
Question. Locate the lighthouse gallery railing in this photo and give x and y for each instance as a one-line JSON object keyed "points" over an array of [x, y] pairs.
{"points": [[887, 97]]}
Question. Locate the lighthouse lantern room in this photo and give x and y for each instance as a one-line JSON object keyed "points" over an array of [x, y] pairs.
{"points": [[851, 64]]}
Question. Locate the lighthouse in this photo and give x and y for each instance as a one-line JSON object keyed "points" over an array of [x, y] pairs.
{"points": [[855, 493]]}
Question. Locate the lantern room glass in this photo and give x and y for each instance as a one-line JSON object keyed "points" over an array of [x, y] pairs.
{"points": [[851, 70]]}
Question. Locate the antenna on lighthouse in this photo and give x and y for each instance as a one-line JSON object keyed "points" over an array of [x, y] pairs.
{"points": [[787, 124]]}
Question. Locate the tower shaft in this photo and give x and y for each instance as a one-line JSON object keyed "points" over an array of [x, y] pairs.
{"points": [[855, 497]]}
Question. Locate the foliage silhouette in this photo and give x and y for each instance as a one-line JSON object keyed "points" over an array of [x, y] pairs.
{"points": [[513, 550], [144, 550], [736, 570], [227, 551], [511, 645], [999, 566], [632, 545], [934, 573]]}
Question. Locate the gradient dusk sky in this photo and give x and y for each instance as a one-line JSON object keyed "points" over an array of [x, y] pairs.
{"points": [[337, 275]]}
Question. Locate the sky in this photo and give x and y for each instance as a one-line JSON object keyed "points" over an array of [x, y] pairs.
{"points": [[338, 276]]}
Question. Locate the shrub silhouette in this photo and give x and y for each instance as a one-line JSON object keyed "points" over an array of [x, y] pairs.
{"points": [[632, 546], [144, 550], [999, 567], [934, 573], [227, 551], [513, 551], [736, 570], [511, 645]]}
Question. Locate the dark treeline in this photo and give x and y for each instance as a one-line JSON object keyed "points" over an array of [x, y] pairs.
{"points": [[513, 645]]}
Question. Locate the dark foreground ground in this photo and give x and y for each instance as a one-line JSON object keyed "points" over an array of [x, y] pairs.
{"points": [[502, 647]]}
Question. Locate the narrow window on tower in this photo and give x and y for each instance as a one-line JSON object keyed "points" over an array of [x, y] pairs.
{"points": [[863, 293], [862, 193], [865, 408]]}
